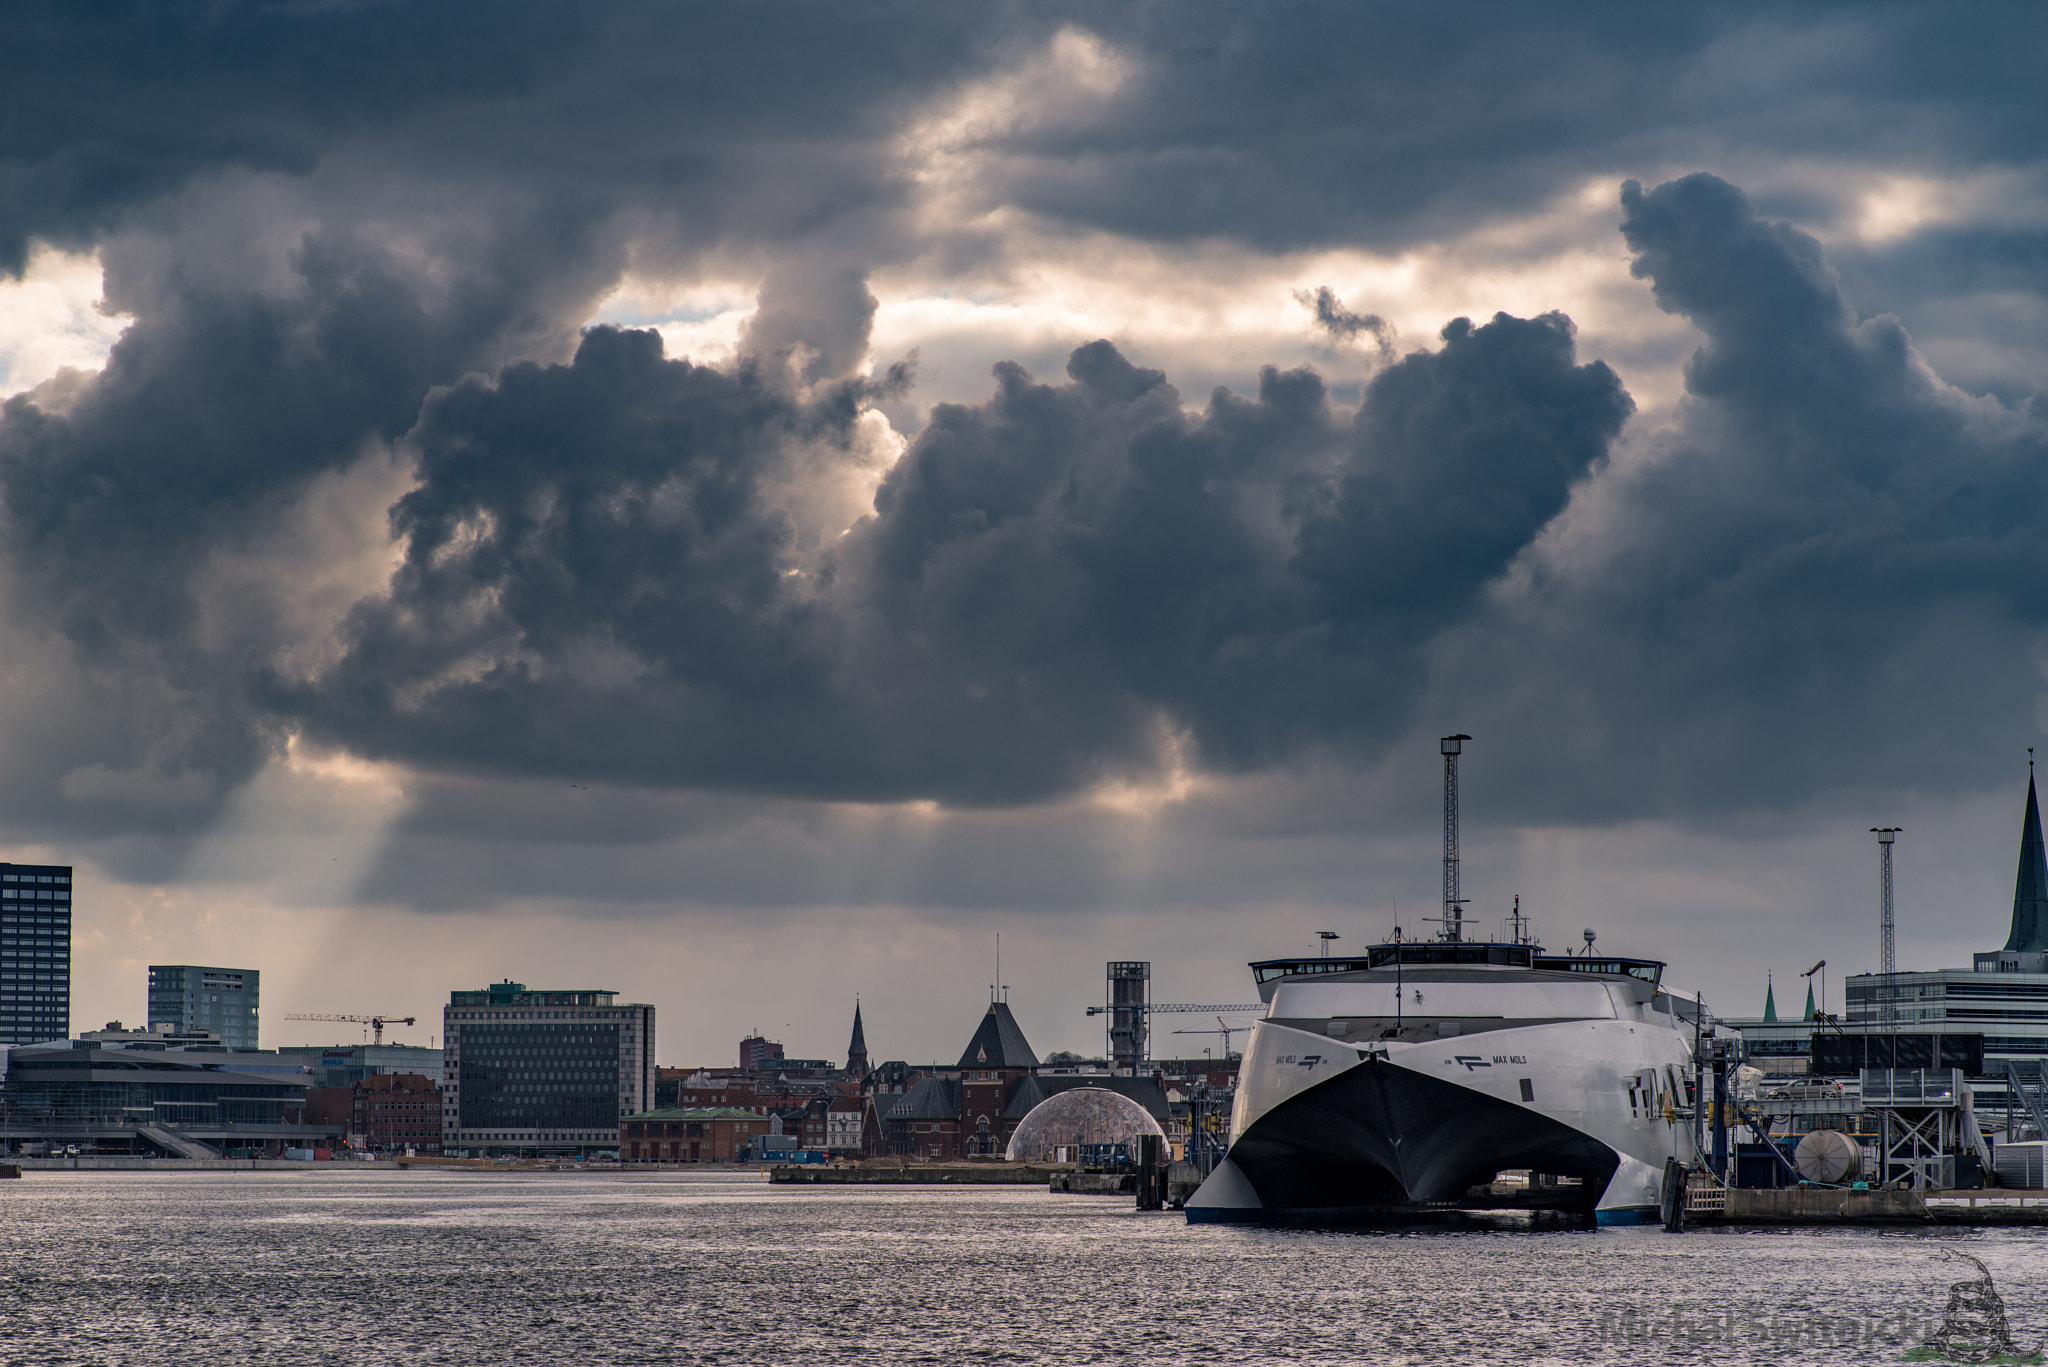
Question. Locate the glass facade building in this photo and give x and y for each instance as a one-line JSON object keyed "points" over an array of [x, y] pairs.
{"points": [[344, 1065], [525, 1070], [221, 1001], [35, 953]]}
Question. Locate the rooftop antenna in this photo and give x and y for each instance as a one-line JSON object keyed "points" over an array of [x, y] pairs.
{"points": [[1591, 936], [1326, 936], [1519, 923], [999, 966], [1454, 905], [1887, 959]]}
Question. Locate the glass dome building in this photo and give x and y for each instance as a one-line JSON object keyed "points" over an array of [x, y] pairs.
{"points": [[1082, 1115]]}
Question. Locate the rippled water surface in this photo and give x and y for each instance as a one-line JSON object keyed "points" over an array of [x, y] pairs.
{"points": [[352, 1267]]}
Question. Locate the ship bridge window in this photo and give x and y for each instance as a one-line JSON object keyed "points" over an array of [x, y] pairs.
{"points": [[1644, 969], [1296, 968], [1508, 956]]}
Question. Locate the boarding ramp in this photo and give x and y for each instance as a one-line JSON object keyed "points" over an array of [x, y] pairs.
{"points": [[176, 1144], [2026, 1081]]}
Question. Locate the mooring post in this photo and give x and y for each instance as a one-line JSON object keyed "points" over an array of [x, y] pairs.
{"points": [[1721, 1115], [1673, 1195], [1151, 1173]]}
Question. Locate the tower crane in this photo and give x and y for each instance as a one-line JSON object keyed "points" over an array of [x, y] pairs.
{"points": [[376, 1023], [1154, 1008], [1221, 1029]]}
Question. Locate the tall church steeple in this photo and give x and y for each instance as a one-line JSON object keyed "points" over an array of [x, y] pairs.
{"points": [[2030, 888], [1770, 1002], [857, 1050]]}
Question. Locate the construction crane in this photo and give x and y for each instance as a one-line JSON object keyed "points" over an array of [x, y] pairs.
{"points": [[376, 1023], [1221, 1029], [1154, 1008]]}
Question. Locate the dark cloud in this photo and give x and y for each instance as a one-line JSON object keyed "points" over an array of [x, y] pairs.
{"points": [[1832, 573], [355, 229], [1320, 125], [1344, 326], [599, 579], [724, 127]]}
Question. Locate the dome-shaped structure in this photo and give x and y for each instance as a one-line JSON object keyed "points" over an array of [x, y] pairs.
{"points": [[1081, 1115]]}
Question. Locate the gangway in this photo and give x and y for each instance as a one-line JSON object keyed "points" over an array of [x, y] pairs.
{"points": [[2027, 1079], [172, 1142]]}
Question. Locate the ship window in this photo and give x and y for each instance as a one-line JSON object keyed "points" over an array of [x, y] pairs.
{"points": [[1528, 1090]]}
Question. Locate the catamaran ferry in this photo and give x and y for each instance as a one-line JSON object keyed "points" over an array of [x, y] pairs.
{"points": [[1394, 1082]]}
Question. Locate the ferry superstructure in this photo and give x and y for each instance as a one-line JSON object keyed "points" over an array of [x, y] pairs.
{"points": [[1386, 1083]]}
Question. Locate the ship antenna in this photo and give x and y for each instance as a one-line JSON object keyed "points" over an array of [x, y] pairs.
{"points": [[1454, 904], [1397, 983]]}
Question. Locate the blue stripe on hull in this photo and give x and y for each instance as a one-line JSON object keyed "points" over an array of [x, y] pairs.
{"points": [[1629, 1215]]}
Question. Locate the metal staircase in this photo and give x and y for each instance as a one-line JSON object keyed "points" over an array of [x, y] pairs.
{"points": [[2027, 1082], [176, 1144]]}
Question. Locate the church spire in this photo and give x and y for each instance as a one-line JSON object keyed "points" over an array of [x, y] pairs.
{"points": [[2030, 888], [857, 1049], [1770, 1002], [1810, 1012]]}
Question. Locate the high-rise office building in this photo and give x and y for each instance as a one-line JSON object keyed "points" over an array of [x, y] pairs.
{"points": [[525, 1070], [222, 1000], [35, 953]]}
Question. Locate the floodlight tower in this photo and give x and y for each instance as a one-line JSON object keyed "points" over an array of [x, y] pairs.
{"points": [[1887, 958], [1454, 905]]}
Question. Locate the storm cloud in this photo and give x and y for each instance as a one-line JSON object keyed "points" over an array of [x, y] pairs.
{"points": [[1057, 586], [939, 426]]}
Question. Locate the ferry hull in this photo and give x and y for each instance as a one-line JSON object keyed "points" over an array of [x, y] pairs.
{"points": [[1380, 1139]]}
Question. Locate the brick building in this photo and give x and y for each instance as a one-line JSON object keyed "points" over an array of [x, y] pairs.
{"points": [[961, 1111], [993, 1066], [398, 1111], [331, 1106], [690, 1134], [925, 1123]]}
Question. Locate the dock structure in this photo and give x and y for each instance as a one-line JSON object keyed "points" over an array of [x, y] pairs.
{"points": [[916, 1175], [1840, 1206]]}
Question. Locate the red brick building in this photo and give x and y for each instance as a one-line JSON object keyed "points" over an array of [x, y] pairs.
{"points": [[964, 1114], [398, 1111], [330, 1106], [992, 1067], [689, 1134]]}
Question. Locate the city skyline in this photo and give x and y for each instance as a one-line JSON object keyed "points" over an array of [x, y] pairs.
{"points": [[744, 513]]}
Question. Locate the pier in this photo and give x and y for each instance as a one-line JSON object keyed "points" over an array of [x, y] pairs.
{"points": [[917, 1175]]}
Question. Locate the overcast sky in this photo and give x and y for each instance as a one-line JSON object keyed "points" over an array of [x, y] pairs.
{"points": [[743, 504]]}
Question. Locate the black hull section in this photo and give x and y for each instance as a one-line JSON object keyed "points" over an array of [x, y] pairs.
{"points": [[1380, 1137]]}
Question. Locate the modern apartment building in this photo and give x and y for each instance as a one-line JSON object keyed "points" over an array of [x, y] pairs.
{"points": [[220, 1000], [2002, 995], [35, 953], [527, 1070]]}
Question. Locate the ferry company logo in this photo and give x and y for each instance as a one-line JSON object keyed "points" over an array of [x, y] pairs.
{"points": [[1472, 1061]]}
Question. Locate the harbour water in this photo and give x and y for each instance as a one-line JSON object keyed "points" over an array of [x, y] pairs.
{"points": [[485, 1268]]}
